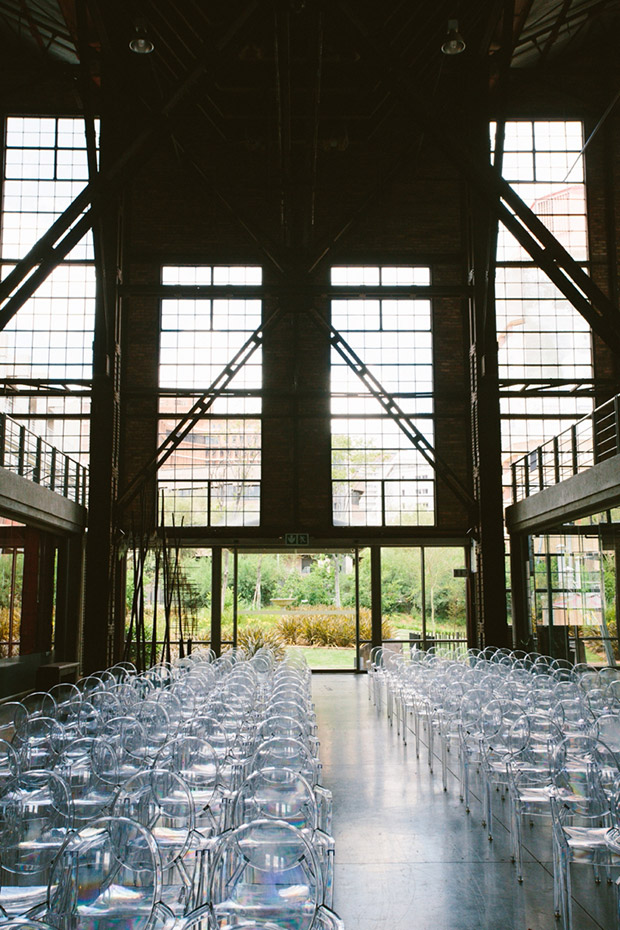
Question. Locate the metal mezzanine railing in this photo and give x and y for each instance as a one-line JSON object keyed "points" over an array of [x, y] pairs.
{"points": [[26, 454], [588, 442]]}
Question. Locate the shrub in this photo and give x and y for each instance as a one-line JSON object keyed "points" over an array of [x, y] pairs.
{"points": [[326, 628], [256, 636]]}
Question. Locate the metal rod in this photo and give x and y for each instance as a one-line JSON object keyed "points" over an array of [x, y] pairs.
{"points": [[400, 418], [201, 406], [97, 192]]}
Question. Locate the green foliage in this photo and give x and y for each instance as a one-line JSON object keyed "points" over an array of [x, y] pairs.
{"points": [[4, 628], [326, 628], [272, 575], [258, 635], [6, 575], [198, 571], [313, 587]]}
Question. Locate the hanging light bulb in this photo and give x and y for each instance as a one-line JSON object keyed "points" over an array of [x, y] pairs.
{"points": [[454, 43], [141, 44]]}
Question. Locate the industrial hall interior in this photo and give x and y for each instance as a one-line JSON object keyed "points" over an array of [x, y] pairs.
{"points": [[309, 464]]}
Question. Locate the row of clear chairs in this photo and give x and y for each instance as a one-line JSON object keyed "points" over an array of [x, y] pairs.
{"points": [[543, 733], [188, 794]]}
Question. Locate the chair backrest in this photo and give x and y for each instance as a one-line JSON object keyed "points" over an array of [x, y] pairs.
{"points": [[37, 741], [160, 800], [578, 775], [39, 704], [36, 811], [90, 769], [127, 736], [276, 794], [281, 725], [286, 752], [105, 874], [195, 760], [12, 713], [607, 729], [265, 870]]}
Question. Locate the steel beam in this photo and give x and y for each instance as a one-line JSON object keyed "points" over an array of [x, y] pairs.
{"points": [[588, 492], [528, 229], [197, 411], [400, 418], [66, 231]]}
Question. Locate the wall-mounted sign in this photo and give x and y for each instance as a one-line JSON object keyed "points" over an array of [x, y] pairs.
{"points": [[297, 539]]}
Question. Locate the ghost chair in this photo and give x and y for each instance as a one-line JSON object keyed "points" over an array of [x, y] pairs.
{"points": [[266, 871], [90, 769], [107, 874], [195, 760], [68, 700], [282, 794], [155, 721], [205, 726], [286, 752], [162, 802], [126, 735], [12, 714], [38, 741], [505, 733], [581, 815], [36, 815], [530, 780], [474, 728]]}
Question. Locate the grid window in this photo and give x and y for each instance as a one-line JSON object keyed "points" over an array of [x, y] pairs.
{"points": [[47, 346], [213, 478], [544, 343], [378, 476]]}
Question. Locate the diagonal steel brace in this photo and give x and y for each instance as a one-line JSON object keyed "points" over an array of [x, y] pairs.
{"points": [[400, 418], [186, 424]]}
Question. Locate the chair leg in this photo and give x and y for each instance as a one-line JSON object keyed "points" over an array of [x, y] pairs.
{"points": [[444, 762], [515, 837]]}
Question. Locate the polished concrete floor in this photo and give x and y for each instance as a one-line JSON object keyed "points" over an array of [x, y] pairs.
{"points": [[408, 857]]}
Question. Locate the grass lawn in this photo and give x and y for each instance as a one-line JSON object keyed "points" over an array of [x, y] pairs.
{"points": [[327, 656]]}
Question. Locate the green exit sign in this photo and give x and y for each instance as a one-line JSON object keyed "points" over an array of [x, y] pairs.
{"points": [[297, 539]]}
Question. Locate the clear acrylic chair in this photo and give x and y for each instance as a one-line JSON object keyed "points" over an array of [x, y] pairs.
{"points": [[530, 780], [505, 733], [37, 741], [581, 815], [161, 801], [285, 752], [90, 769], [195, 760], [12, 714], [282, 794], [126, 735], [36, 815], [266, 871], [108, 874]]}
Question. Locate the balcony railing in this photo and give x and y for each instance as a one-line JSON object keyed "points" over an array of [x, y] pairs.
{"points": [[591, 440], [26, 454]]}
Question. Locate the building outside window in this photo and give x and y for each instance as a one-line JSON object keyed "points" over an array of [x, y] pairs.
{"points": [[213, 477], [379, 478]]}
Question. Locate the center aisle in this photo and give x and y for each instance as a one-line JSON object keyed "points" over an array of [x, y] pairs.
{"points": [[408, 857]]}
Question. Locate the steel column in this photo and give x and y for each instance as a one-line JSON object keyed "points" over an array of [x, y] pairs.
{"points": [[375, 597], [216, 600]]}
